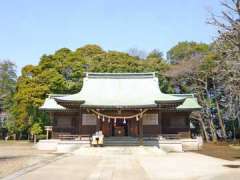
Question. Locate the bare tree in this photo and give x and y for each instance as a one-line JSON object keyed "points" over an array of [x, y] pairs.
{"points": [[141, 54], [190, 72], [227, 45]]}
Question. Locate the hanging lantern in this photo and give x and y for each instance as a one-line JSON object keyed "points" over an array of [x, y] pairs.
{"points": [[109, 120], [124, 121], [115, 120], [98, 116], [103, 119]]}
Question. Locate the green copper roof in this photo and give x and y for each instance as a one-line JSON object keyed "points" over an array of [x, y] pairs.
{"points": [[189, 104], [51, 104], [116, 90], [120, 90]]}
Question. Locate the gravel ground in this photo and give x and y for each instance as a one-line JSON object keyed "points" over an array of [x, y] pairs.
{"points": [[16, 155], [134, 163], [115, 163], [220, 150]]}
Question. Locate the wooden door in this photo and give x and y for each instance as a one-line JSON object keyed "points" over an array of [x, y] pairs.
{"points": [[133, 127], [106, 128]]}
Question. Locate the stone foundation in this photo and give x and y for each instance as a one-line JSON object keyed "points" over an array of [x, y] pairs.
{"points": [[168, 145]]}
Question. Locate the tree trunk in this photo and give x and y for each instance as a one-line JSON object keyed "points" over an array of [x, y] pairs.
{"points": [[213, 131], [238, 117], [203, 128], [20, 136], [197, 116], [221, 123], [234, 132], [212, 126]]}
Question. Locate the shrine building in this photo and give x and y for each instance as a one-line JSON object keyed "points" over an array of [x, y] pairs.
{"points": [[121, 104]]}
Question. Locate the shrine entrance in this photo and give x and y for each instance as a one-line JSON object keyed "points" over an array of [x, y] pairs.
{"points": [[120, 124], [120, 128], [128, 127]]}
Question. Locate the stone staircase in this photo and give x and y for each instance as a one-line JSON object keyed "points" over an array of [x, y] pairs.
{"points": [[121, 141]]}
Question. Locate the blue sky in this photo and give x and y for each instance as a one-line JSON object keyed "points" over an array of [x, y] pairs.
{"points": [[29, 29]]}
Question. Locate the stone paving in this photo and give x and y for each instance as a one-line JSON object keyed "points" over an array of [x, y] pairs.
{"points": [[16, 155], [132, 163]]}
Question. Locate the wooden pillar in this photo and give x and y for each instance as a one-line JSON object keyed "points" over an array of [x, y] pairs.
{"points": [[52, 123], [79, 121], [160, 121], [98, 126], [140, 123], [129, 127], [51, 117]]}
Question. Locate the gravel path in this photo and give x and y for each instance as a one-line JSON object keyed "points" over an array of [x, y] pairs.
{"points": [[134, 163], [20, 154]]}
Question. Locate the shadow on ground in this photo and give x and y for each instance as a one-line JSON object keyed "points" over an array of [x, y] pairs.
{"points": [[11, 157], [231, 165]]}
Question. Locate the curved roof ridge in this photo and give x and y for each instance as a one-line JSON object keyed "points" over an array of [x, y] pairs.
{"points": [[121, 75]]}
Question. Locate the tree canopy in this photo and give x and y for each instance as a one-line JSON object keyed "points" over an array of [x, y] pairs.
{"points": [[63, 72], [186, 51], [210, 71], [8, 78]]}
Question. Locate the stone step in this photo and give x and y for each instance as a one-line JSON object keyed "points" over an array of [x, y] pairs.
{"points": [[120, 138], [121, 144], [121, 141]]}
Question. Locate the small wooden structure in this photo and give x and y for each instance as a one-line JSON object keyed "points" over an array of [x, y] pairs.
{"points": [[48, 129]]}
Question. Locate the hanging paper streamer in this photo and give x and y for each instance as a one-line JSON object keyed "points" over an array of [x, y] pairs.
{"points": [[124, 121], [136, 116]]}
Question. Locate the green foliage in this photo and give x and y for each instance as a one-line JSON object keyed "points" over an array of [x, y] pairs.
{"points": [[41, 136], [209, 64], [155, 54], [7, 77], [10, 125], [36, 129], [90, 51], [63, 72], [186, 50], [37, 116], [7, 82]]}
